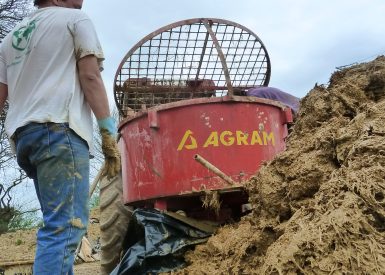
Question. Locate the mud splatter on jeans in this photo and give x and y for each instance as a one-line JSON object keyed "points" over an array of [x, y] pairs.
{"points": [[57, 160]]}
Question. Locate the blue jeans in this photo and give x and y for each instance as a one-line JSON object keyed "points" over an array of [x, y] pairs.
{"points": [[57, 160]]}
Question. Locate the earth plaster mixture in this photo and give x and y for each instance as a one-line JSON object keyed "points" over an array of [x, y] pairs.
{"points": [[318, 207]]}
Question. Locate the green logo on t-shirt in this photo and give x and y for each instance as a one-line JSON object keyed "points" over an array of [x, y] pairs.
{"points": [[22, 36]]}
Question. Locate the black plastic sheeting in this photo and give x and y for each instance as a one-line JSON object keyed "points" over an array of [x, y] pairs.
{"points": [[157, 243]]}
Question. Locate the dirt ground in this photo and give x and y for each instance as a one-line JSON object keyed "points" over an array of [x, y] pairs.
{"points": [[87, 268], [19, 248], [318, 207]]}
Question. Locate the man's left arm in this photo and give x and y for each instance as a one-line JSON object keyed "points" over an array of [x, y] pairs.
{"points": [[96, 96]]}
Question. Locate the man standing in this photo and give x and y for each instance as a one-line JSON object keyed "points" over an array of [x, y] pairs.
{"points": [[49, 72]]}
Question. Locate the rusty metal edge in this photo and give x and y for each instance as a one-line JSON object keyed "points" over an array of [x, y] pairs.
{"points": [[198, 101]]}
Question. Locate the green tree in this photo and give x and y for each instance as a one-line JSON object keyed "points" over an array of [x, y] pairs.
{"points": [[11, 12]]}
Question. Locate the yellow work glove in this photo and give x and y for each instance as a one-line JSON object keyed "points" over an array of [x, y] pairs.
{"points": [[110, 150]]}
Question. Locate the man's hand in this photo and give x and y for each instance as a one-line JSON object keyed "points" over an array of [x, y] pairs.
{"points": [[110, 150], [111, 154]]}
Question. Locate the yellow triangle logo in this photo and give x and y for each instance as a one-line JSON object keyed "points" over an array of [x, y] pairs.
{"points": [[188, 141]]}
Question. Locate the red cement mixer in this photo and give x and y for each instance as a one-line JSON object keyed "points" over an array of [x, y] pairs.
{"points": [[189, 136], [186, 128]]}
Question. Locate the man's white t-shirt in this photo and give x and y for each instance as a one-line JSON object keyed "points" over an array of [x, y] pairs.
{"points": [[38, 63]]}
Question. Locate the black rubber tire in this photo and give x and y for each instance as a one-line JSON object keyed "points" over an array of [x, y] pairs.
{"points": [[114, 219]]}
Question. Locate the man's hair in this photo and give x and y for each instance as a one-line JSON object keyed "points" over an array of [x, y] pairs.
{"points": [[38, 2]]}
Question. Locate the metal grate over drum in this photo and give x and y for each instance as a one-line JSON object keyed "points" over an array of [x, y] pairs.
{"points": [[193, 58]]}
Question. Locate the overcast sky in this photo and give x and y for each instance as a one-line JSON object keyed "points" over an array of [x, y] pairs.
{"points": [[306, 40]]}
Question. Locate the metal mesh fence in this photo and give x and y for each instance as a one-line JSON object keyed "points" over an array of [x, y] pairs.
{"points": [[189, 59]]}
